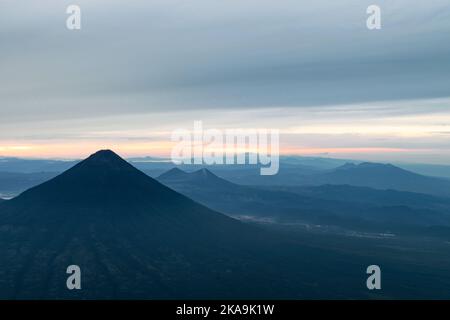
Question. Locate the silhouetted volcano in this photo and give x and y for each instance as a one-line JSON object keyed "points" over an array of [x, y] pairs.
{"points": [[133, 238], [103, 171], [105, 184], [201, 178]]}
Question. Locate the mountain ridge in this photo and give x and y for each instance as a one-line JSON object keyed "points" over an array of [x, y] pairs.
{"points": [[380, 176], [132, 238]]}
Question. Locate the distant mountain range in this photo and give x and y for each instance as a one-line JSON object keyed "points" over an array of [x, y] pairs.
{"points": [[203, 178], [373, 175], [17, 175], [368, 195], [380, 176], [19, 165], [15, 182], [340, 205]]}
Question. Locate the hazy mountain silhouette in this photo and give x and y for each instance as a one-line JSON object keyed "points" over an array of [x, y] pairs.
{"points": [[203, 178], [173, 174], [233, 199], [369, 195], [373, 175], [19, 165], [380, 176], [14, 182], [330, 204]]}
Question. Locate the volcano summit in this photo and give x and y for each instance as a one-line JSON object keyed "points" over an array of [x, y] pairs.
{"points": [[131, 236]]}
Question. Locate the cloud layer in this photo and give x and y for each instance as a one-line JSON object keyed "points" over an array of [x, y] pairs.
{"points": [[169, 61]]}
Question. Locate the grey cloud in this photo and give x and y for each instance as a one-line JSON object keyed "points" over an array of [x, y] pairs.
{"points": [[148, 56]]}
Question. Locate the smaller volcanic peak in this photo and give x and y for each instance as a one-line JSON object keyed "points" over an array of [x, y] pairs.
{"points": [[376, 165], [209, 178], [368, 172], [347, 166], [202, 177], [204, 174], [174, 173], [379, 167], [383, 176]]}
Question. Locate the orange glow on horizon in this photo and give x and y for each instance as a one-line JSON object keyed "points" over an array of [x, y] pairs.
{"points": [[77, 150], [358, 150], [84, 149]]}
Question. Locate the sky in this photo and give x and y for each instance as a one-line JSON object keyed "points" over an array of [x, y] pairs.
{"points": [[138, 70]]}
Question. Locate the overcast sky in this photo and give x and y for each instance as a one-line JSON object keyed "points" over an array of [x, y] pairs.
{"points": [[137, 70]]}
